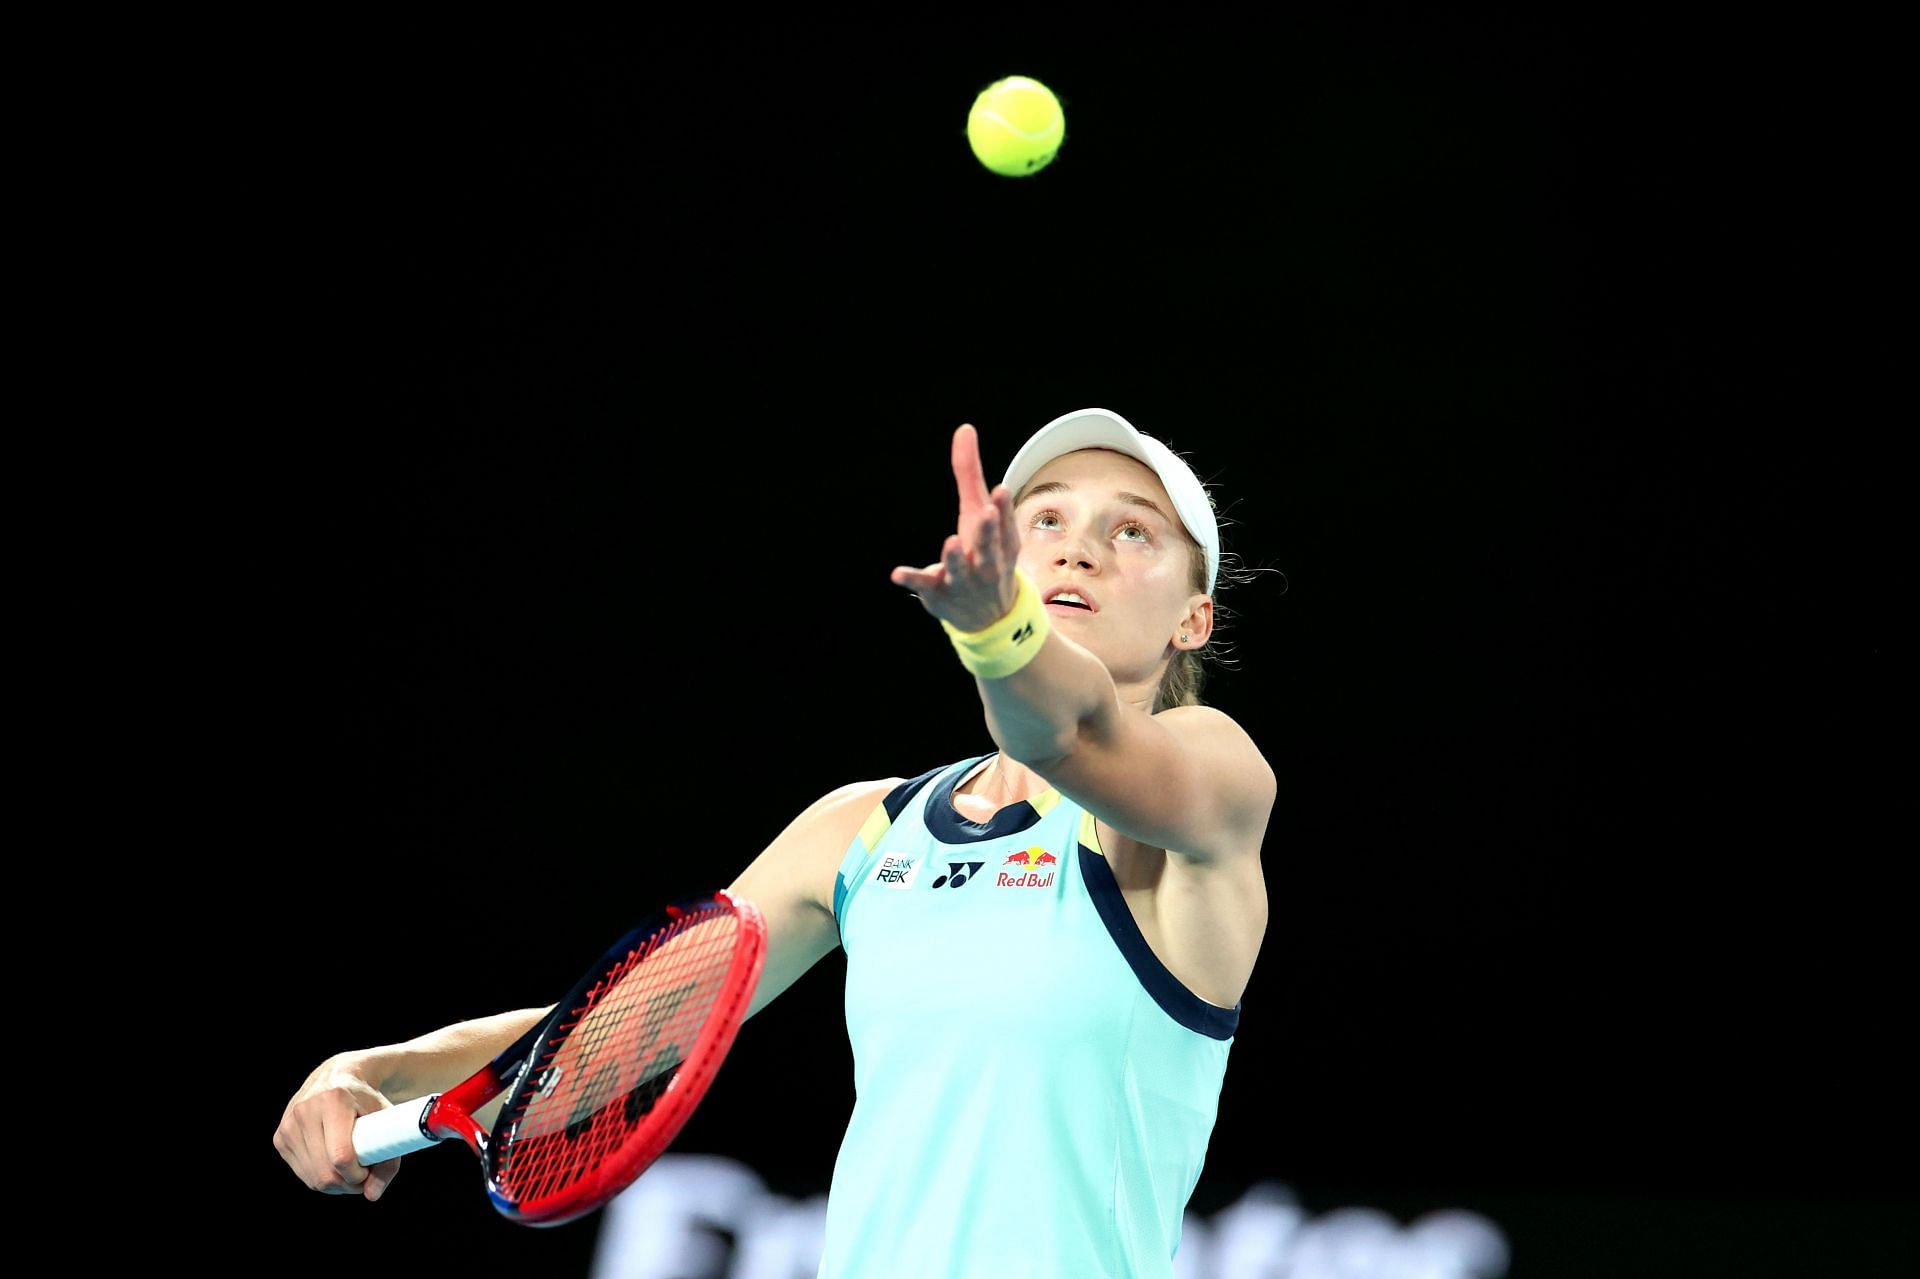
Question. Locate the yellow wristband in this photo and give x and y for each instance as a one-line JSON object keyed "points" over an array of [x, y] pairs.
{"points": [[997, 651]]}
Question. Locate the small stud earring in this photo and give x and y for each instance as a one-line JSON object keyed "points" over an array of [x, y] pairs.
{"points": [[1183, 637]]}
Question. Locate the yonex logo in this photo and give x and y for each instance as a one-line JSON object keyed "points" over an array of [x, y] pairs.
{"points": [[1024, 634], [958, 873]]}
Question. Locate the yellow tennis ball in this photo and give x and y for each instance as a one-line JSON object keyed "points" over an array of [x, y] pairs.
{"points": [[1016, 126]]}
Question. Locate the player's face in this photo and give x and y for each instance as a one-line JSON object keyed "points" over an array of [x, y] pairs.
{"points": [[1100, 524]]}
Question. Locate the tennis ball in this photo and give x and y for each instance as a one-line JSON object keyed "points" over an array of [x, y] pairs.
{"points": [[1016, 126]]}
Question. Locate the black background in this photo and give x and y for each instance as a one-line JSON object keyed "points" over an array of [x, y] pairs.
{"points": [[598, 378]]}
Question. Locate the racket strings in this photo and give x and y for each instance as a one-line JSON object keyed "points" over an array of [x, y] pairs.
{"points": [[606, 1067]]}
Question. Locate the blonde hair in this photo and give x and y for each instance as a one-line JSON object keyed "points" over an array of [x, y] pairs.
{"points": [[1186, 674]]}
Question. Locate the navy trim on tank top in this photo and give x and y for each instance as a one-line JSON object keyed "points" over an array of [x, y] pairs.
{"points": [[949, 827], [945, 824], [1179, 1003], [895, 801], [897, 797]]}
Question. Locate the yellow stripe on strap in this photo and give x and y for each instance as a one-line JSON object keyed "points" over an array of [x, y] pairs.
{"points": [[877, 825], [1090, 833]]}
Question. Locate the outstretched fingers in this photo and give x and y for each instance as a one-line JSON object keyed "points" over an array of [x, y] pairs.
{"points": [[968, 476], [977, 559], [923, 581]]}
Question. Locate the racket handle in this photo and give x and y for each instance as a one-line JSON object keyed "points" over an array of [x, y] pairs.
{"points": [[390, 1133]]}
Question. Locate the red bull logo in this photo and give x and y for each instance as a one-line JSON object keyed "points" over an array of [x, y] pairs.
{"points": [[1032, 869]]}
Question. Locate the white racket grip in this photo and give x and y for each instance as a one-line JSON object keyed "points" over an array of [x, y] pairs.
{"points": [[390, 1133]]}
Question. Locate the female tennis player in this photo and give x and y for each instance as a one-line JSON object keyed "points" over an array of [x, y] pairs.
{"points": [[1046, 941]]}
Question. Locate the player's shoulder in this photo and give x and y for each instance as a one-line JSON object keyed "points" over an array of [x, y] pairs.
{"points": [[839, 813], [844, 811], [1210, 723], [1229, 750], [1209, 715], [804, 859], [861, 794], [872, 792]]}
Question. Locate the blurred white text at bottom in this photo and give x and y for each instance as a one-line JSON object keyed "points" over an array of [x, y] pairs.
{"points": [[710, 1217]]}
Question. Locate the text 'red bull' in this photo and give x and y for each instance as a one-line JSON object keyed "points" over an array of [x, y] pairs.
{"points": [[1030, 860]]}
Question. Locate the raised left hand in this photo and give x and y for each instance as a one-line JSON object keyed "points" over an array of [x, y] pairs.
{"points": [[972, 584]]}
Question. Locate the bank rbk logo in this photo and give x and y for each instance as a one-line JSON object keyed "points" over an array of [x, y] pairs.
{"points": [[896, 871]]}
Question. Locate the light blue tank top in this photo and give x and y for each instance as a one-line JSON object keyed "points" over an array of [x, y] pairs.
{"points": [[1034, 1090]]}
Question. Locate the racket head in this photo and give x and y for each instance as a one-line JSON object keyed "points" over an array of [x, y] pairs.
{"points": [[624, 1060]]}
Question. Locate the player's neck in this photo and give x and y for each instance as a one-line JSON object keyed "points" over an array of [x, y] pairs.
{"points": [[1002, 781]]}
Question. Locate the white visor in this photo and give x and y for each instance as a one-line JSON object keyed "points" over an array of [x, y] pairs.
{"points": [[1101, 429]]}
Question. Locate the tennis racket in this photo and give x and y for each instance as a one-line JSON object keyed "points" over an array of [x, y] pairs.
{"points": [[600, 1087]]}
